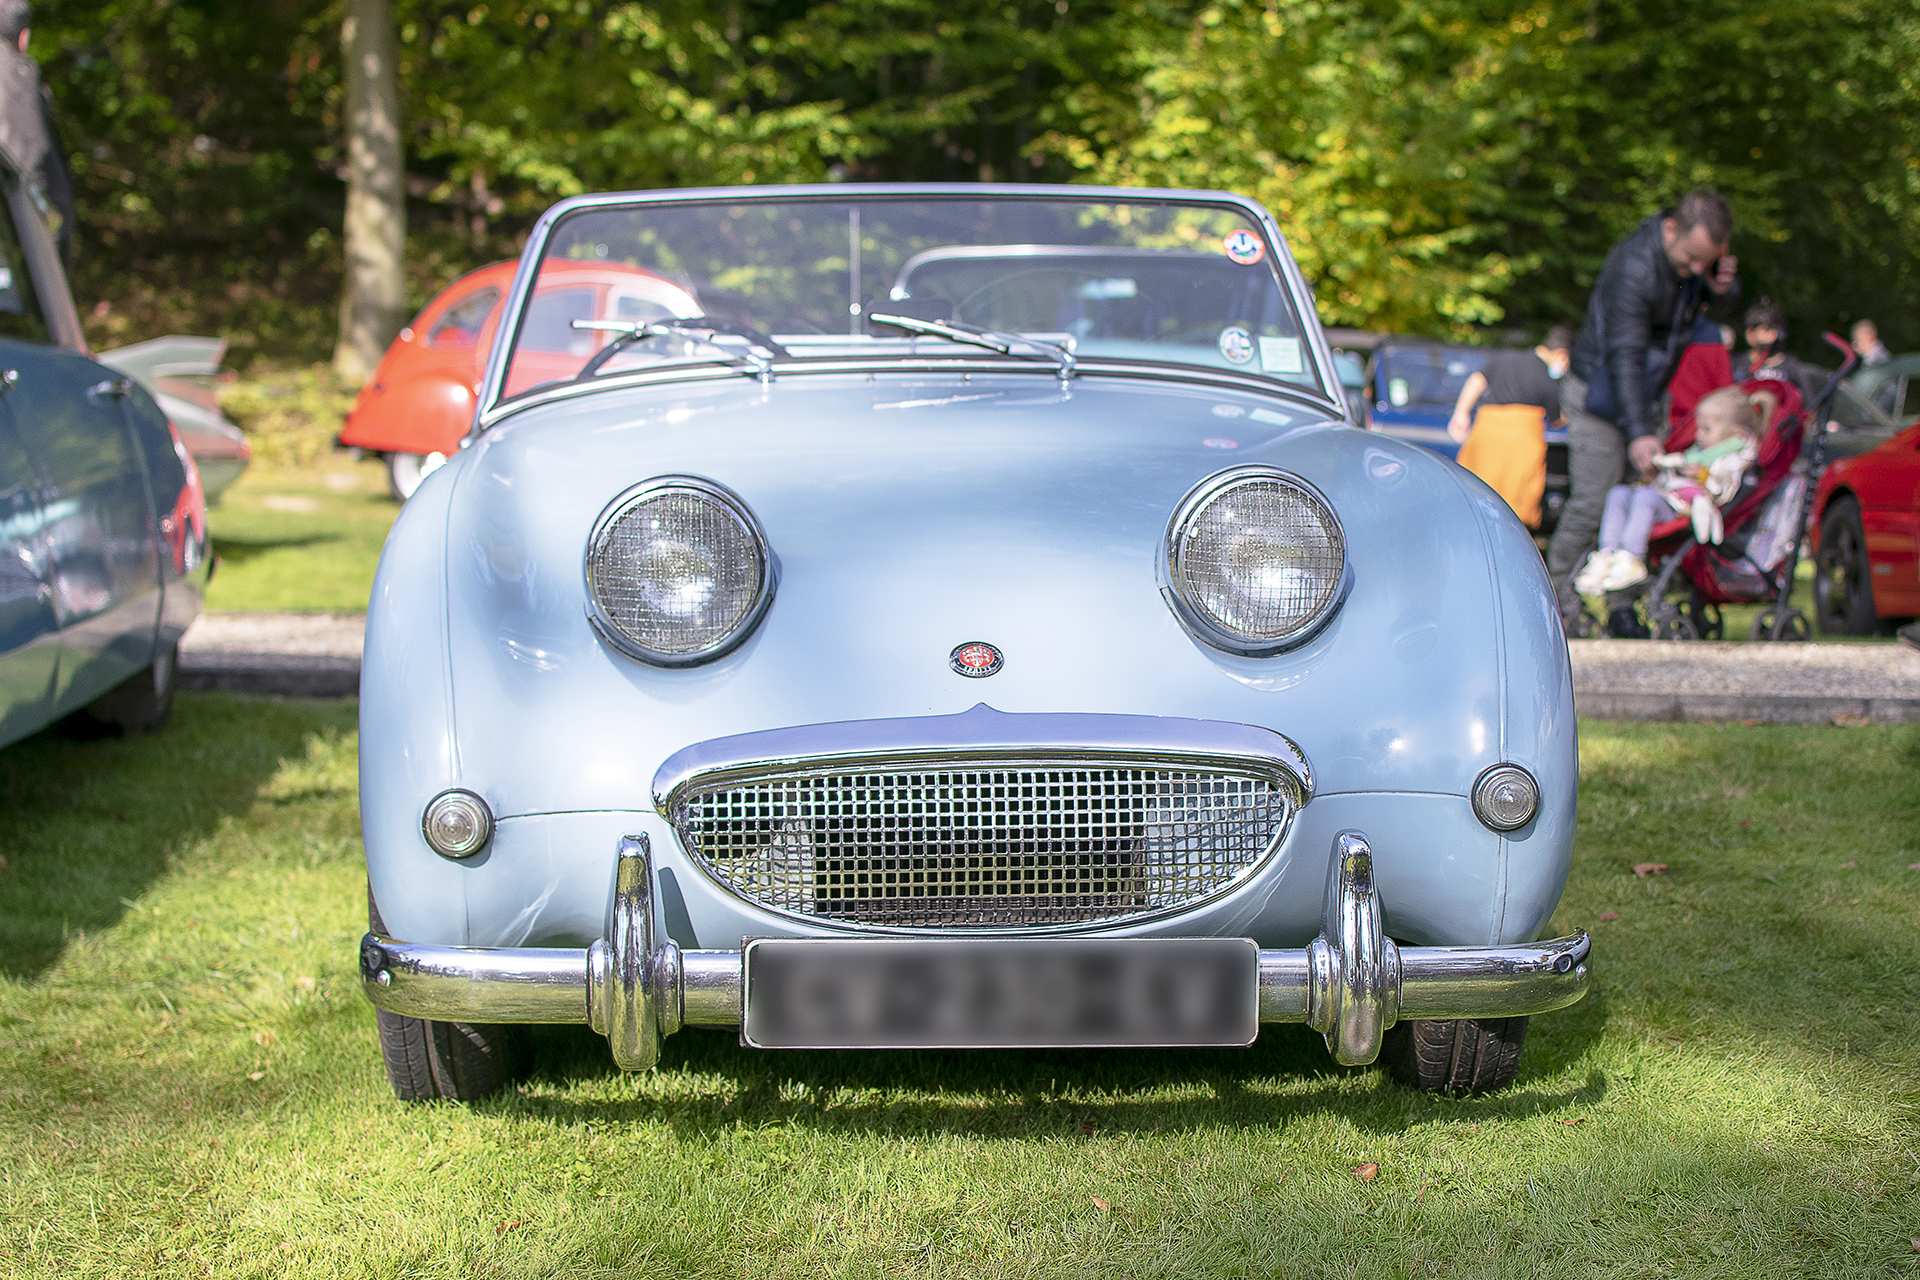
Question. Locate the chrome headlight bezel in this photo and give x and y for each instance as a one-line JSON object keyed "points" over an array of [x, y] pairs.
{"points": [[1195, 617], [736, 508]]}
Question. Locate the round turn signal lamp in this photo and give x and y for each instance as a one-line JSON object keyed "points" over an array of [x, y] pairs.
{"points": [[457, 824], [1505, 797]]}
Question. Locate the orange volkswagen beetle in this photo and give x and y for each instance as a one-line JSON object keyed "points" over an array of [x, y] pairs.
{"points": [[419, 402]]}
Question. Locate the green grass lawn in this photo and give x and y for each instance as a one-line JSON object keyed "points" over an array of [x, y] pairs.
{"points": [[301, 539], [189, 1082]]}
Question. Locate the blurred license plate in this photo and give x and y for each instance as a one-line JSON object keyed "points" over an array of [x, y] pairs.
{"points": [[804, 993]]}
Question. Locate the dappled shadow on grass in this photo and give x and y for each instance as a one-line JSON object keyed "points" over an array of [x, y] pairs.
{"points": [[237, 551], [1012, 1093], [90, 825]]}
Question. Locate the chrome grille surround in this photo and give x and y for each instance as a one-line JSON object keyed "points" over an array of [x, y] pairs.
{"points": [[986, 840]]}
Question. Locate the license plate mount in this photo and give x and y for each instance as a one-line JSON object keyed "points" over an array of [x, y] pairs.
{"points": [[1000, 993]]}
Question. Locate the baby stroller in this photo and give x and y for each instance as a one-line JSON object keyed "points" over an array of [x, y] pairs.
{"points": [[1765, 524]]}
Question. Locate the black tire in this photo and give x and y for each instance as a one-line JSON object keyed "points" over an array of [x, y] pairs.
{"points": [[1461, 1056], [1842, 575], [140, 704], [459, 1061], [1708, 622], [1795, 629]]}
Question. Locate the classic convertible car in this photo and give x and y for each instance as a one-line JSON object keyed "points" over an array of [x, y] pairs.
{"points": [[419, 402], [978, 626], [103, 525]]}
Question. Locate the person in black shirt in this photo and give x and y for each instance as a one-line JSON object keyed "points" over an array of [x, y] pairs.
{"points": [[1504, 439], [1764, 357], [1516, 377]]}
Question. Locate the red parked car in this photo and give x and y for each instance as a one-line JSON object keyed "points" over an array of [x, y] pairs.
{"points": [[1866, 537], [419, 402]]}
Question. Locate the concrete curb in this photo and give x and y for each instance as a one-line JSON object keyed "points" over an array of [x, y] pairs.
{"points": [[1709, 707]]}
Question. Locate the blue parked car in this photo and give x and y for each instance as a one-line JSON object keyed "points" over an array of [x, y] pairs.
{"points": [[981, 626], [103, 526], [1415, 384]]}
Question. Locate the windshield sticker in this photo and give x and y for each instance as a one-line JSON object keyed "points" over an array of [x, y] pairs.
{"points": [[1280, 355], [1236, 344], [1244, 247]]}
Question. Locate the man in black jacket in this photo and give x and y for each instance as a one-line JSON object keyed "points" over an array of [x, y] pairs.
{"points": [[1651, 289]]}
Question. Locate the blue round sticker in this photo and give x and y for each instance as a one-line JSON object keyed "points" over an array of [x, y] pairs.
{"points": [[1244, 247]]}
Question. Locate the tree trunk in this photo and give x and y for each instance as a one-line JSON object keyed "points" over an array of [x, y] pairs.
{"points": [[373, 305]]}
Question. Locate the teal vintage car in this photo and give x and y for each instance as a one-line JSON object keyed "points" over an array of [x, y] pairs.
{"points": [[103, 526], [981, 625]]}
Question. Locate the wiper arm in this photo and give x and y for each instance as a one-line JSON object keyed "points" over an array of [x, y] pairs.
{"points": [[991, 339], [694, 329]]}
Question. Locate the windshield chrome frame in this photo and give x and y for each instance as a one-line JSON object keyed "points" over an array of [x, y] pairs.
{"points": [[491, 405]]}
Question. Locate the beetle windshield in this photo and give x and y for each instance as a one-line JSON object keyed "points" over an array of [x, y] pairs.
{"points": [[1151, 280]]}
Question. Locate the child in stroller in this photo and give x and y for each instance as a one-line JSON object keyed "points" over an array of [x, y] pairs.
{"points": [[1754, 560], [1696, 483]]}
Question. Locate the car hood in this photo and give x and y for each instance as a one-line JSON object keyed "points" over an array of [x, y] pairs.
{"points": [[911, 515]]}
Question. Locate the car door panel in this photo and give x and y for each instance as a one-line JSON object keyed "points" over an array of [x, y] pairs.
{"points": [[29, 639], [99, 517]]}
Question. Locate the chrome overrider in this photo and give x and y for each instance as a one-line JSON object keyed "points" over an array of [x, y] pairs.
{"points": [[1351, 983]]}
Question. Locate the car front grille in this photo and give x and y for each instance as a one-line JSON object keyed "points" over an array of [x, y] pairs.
{"points": [[1007, 845]]}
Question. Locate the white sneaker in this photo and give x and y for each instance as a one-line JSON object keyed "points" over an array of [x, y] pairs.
{"points": [[1625, 570], [1594, 572]]}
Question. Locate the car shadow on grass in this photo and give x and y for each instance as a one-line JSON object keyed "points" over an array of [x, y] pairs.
{"points": [[1016, 1092], [90, 825], [237, 551]]}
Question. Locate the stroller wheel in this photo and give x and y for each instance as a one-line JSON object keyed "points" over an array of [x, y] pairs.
{"points": [[1675, 628], [1794, 628], [1708, 623]]}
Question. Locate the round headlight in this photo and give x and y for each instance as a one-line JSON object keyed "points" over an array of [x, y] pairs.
{"points": [[457, 823], [1505, 797], [677, 571], [1256, 560]]}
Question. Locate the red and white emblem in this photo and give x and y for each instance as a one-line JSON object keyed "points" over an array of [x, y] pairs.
{"points": [[975, 658]]}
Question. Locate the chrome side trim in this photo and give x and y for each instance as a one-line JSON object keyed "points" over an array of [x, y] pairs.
{"points": [[979, 734], [474, 984], [1351, 983]]}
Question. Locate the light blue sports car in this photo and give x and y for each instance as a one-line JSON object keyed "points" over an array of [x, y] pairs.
{"points": [[978, 626]]}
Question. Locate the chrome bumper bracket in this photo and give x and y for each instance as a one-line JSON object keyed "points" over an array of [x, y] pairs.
{"points": [[1352, 983]]}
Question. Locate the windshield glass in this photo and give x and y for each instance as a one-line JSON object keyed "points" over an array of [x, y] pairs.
{"points": [[1426, 377], [800, 279]]}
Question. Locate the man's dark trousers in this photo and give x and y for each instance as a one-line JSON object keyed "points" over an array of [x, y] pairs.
{"points": [[1596, 461]]}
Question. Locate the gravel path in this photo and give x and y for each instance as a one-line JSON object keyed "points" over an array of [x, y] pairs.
{"points": [[318, 655]]}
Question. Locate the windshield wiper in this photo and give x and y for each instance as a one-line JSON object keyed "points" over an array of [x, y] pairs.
{"points": [[991, 339], [694, 329]]}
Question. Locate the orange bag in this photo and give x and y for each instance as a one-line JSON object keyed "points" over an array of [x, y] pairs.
{"points": [[1508, 449]]}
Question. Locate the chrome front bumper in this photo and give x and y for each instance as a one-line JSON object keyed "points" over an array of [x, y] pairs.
{"points": [[1351, 983]]}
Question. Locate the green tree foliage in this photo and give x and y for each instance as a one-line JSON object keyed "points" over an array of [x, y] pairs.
{"points": [[1441, 166], [1450, 164]]}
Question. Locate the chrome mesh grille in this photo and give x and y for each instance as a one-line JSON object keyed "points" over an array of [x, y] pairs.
{"points": [[1010, 845]]}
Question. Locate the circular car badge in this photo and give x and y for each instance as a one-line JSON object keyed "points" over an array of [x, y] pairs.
{"points": [[975, 658], [1243, 247], [1236, 344]]}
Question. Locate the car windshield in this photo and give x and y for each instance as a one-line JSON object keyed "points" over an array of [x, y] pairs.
{"points": [[1426, 376], [736, 282]]}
